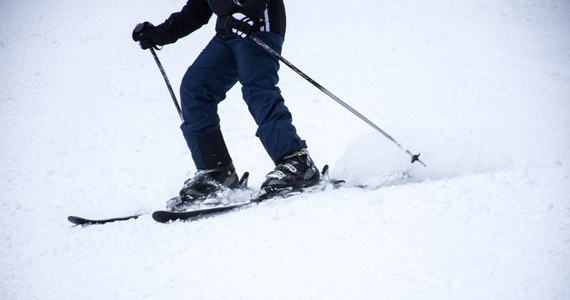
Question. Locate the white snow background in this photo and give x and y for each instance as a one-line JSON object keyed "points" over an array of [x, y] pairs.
{"points": [[481, 88]]}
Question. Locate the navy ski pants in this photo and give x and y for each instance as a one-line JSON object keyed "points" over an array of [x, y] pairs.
{"points": [[215, 71]]}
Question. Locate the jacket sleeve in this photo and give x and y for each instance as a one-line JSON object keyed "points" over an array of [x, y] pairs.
{"points": [[254, 8], [195, 14]]}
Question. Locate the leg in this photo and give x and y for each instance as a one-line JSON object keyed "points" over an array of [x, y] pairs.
{"points": [[204, 85], [258, 76]]}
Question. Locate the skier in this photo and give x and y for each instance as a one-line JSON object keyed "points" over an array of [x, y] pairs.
{"points": [[228, 58]]}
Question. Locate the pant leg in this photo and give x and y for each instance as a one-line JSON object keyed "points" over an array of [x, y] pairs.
{"points": [[204, 86], [259, 78]]}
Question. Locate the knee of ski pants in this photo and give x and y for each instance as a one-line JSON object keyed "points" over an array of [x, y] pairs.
{"points": [[205, 85], [259, 79], [199, 108], [258, 75]]}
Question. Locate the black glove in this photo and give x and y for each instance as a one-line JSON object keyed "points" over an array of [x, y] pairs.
{"points": [[149, 36], [242, 25]]}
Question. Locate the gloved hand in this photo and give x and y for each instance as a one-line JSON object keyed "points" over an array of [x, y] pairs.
{"points": [[149, 36], [242, 25]]}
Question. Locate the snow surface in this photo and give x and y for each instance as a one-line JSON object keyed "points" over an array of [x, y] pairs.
{"points": [[481, 88]]}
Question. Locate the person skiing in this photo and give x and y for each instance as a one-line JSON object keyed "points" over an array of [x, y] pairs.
{"points": [[230, 57]]}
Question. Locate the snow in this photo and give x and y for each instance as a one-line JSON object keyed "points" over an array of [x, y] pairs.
{"points": [[480, 88]]}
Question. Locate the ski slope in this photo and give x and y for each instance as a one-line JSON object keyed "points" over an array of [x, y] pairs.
{"points": [[481, 88]]}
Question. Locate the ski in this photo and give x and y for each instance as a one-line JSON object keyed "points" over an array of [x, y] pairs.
{"points": [[85, 221], [165, 216]]}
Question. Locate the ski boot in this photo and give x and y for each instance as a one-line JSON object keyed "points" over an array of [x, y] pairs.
{"points": [[292, 174], [204, 185]]}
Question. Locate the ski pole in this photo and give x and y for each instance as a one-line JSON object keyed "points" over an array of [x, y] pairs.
{"points": [[414, 157], [167, 83]]}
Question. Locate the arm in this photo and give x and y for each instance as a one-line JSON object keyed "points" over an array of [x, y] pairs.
{"points": [[193, 15]]}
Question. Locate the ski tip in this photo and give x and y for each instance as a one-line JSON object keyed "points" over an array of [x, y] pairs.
{"points": [[161, 216], [84, 221], [166, 216], [76, 220]]}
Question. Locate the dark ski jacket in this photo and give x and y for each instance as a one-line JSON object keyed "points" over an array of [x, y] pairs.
{"points": [[197, 13]]}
